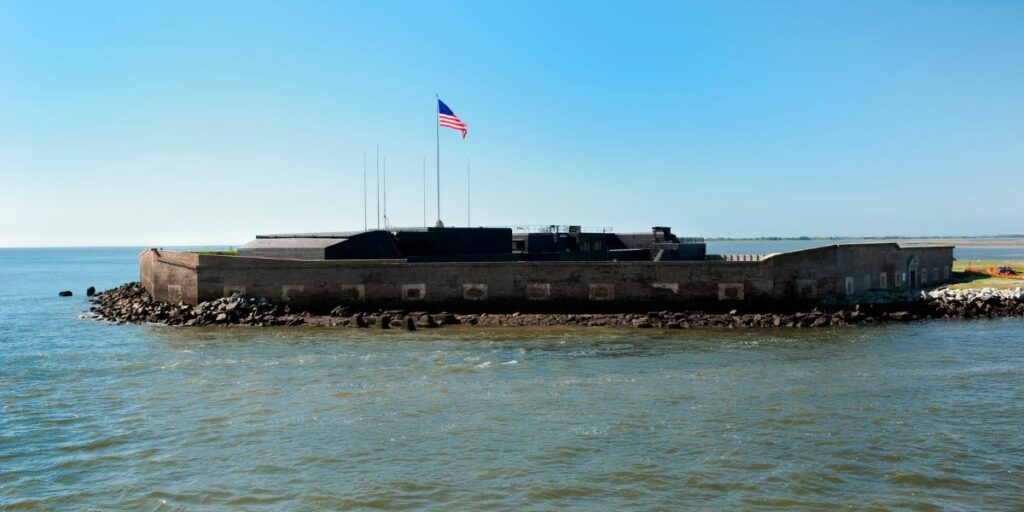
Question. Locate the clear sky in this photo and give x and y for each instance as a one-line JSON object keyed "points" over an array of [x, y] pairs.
{"points": [[204, 122]]}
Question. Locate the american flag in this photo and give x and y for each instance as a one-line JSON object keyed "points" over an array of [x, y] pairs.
{"points": [[447, 119]]}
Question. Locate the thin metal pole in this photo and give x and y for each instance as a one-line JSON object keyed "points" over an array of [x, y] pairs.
{"points": [[384, 164], [469, 221], [365, 225], [378, 186], [424, 192], [437, 140]]}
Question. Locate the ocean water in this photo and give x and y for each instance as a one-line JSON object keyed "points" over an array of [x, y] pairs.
{"points": [[921, 416]]}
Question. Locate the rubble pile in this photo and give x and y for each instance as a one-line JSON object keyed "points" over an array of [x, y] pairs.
{"points": [[130, 303], [975, 303]]}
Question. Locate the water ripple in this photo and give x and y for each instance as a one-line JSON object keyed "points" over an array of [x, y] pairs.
{"points": [[921, 416]]}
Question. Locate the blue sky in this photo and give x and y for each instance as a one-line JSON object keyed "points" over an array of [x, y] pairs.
{"points": [[206, 122]]}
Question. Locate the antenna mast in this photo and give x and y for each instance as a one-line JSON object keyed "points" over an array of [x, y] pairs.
{"points": [[365, 190], [378, 186], [424, 192]]}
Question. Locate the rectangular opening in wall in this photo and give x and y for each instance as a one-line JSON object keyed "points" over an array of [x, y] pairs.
{"points": [[807, 288]]}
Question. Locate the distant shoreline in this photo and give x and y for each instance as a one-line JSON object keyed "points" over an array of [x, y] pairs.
{"points": [[994, 242], [1008, 241]]}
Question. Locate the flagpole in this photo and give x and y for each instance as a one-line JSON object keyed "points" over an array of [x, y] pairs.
{"points": [[469, 221], [437, 140]]}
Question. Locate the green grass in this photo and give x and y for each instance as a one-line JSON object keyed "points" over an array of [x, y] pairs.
{"points": [[217, 253], [961, 265], [963, 280]]}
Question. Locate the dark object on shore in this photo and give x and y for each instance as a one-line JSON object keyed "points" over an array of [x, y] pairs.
{"points": [[131, 303], [65, 293], [90, 291]]}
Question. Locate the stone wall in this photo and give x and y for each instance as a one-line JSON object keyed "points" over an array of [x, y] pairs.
{"points": [[170, 276], [484, 286], [801, 276]]}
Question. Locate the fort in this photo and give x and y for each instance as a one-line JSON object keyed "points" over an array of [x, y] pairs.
{"points": [[553, 268]]}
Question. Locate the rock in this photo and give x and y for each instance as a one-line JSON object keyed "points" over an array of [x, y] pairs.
{"points": [[410, 324], [90, 291], [65, 293], [130, 303]]}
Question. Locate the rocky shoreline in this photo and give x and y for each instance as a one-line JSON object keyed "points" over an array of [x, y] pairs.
{"points": [[130, 303]]}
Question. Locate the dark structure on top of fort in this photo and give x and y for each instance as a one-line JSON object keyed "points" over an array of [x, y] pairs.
{"points": [[545, 243]]}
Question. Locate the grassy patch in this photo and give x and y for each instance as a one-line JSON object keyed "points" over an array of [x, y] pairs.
{"points": [[962, 279], [961, 265], [217, 253], [987, 282]]}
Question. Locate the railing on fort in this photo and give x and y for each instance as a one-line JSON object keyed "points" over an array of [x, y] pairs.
{"points": [[555, 228], [737, 257]]}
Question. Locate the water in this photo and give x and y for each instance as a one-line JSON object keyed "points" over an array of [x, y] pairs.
{"points": [[921, 416]]}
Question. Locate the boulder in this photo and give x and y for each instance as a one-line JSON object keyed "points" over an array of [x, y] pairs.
{"points": [[65, 293]]}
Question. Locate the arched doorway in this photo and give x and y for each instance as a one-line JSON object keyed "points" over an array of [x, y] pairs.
{"points": [[912, 264]]}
